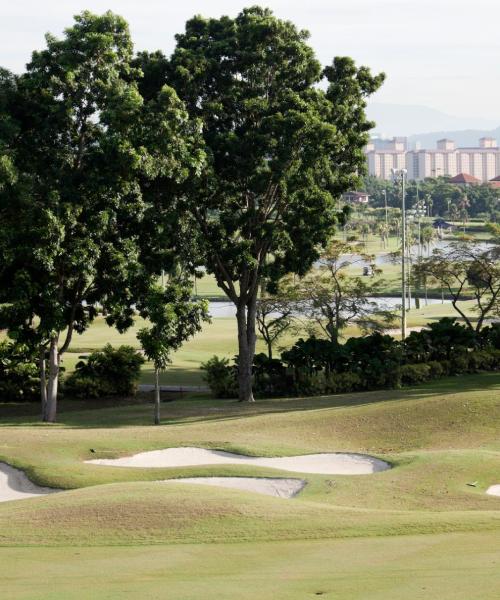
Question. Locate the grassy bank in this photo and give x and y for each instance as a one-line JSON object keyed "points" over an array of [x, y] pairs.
{"points": [[416, 530]]}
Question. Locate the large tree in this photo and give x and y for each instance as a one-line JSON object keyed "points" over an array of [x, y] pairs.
{"points": [[72, 207], [280, 152]]}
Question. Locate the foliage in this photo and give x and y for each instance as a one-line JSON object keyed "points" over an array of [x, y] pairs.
{"points": [[465, 269], [221, 377], [442, 198], [275, 313], [318, 366], [334, 299], [415, 374], [19, 379], [174, 316], [440, 341], [107, 372]]}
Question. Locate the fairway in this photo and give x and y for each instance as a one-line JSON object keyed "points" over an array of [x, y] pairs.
{"points": [[425, 528]]}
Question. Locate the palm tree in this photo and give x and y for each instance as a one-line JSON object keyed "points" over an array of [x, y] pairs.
{"points": [[429, 201], [383, 231], [428, 235], [365, 231], [453, 212]]}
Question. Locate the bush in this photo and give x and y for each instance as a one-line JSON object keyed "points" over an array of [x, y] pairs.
{"points": [[459, 363], [414, 374], [343, 383], [483, 360], [107, 372], [270, 377], [440, 341], [221, 377], [19, 375], [437, 369]]}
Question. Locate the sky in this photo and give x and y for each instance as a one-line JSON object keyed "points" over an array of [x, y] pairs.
{"points": [[443, 54]]}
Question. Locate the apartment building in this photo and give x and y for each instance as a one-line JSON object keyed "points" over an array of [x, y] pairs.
{"points": [[382, 158], [482, 162]]}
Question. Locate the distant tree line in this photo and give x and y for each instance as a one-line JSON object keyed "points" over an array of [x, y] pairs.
{"points": [[442, 198]]}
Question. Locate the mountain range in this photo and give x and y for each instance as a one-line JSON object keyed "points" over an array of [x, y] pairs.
{"points": [[427, 125]]}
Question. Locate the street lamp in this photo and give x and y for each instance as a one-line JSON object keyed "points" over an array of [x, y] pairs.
{"points": [[399, 176], [385, 203]]}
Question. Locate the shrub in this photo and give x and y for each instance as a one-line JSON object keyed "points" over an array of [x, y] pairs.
{"points": [[19, 376], [221, 377], [414, 374], [343, 383], [459, 363], [437, 369], [483, 360], [440, 341], [107, 372], [270, 377], [492, 335]]}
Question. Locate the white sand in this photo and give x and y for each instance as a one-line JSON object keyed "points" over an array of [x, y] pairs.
{"points": [[494, 490], [280, 487], [14, 485], [326, 464]]}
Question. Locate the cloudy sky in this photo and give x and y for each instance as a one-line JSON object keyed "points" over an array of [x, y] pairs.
{"points": [[439, 53]]}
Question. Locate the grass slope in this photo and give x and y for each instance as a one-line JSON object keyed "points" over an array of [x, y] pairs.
{"points": [[416, 531]]}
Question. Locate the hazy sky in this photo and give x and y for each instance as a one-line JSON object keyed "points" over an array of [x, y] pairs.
{"points": [[440, 53]]}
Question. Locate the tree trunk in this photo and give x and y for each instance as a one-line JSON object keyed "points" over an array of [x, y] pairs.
{"points": [[269, 349], [43, 381], [245, 315], [157, 397], [51, 405]]}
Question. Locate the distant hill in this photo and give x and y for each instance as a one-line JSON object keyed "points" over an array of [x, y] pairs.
{"points": [[411, 120], [465, 137]]}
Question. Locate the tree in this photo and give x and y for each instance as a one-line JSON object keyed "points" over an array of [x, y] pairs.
{"points": [[427, 235], [275, 314], [174, 318], [280, 151], [464, 269], [383, 231], [334, 298], [70, 221]]}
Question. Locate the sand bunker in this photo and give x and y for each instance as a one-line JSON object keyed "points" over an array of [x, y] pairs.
{"points": [[494, 490], [280, 487], [14, 485], [325, 464]]}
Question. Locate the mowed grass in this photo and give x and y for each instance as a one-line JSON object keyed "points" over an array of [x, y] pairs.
{"points": [[453, 566], [416, 531]]}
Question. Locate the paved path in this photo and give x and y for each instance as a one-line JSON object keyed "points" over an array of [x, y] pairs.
{"points": [[147, 387]]}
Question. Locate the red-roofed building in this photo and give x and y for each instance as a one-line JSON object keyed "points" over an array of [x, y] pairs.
{"points": [[495, 182], [464, 179]]}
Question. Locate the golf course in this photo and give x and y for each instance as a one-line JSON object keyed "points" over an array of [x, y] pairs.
{"points": [[423, 528]]}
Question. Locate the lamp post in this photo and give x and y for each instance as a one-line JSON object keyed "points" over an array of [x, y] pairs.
{"points": [[399, 176], [385, 203], [416, 214]]}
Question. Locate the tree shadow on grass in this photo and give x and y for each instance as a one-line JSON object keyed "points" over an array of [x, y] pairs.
{"points": [[180, 409]]}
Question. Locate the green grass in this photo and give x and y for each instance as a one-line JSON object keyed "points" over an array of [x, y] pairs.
{"points": [[455, 566], [416, 531]]}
